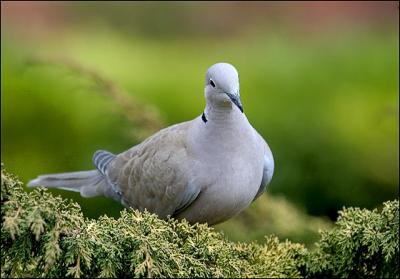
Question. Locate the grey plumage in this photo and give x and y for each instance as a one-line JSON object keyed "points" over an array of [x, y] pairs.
{"points": [[72, 181], [205, 170], [101, 159]]}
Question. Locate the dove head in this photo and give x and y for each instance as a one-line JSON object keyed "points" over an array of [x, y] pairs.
{"points": [[222, 86]]}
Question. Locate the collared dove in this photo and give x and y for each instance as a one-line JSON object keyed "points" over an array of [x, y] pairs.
{"points": [[205, 170]]}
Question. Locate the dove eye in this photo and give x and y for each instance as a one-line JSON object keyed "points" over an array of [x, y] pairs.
{"points": [[212, 83]]}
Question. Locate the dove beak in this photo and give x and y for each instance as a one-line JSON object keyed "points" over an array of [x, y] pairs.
{"points": [[236, 100]]}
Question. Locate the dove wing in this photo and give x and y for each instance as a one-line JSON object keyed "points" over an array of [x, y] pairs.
{"points": [[268, 169], [154, 174]]}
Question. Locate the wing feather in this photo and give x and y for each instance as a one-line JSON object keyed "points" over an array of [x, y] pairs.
{"points": [[154, 174], [268, 169]]}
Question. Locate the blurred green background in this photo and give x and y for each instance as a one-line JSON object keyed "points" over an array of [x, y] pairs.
{"points": [[319, 81]]}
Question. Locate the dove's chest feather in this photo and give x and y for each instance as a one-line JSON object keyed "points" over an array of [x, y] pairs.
{"points": [[228, 166], [229, 148]]}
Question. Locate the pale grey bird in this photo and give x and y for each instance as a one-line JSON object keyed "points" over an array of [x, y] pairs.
{"points": [[205, 170]]}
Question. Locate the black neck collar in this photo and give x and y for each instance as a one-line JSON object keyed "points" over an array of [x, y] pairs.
{"points": [[203, 117]]}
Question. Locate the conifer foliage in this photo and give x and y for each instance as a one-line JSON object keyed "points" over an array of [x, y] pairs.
{"points": [[47, 236]]}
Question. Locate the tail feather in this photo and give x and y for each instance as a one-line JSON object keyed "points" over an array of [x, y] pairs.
{"points": [[88, 183]]}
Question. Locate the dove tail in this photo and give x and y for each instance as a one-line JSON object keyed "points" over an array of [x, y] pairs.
{"points": [[88, 183]]}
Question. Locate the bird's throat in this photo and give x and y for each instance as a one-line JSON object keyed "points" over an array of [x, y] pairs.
{"points": [[221, 113]]}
